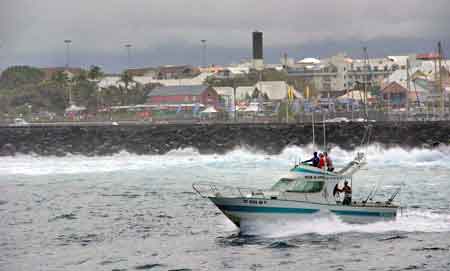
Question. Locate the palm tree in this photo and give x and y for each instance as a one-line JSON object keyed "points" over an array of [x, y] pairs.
{"points": [[61, 78], [80, 77], [126, 78], [95, 73]]}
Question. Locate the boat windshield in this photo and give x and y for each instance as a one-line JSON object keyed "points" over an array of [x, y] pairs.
{"points": [[283, 184], [307, 186]]}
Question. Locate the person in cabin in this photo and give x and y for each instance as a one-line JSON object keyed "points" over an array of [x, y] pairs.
{"points": [[347, 190], [329, 162], [314, 160], [321, 161]]}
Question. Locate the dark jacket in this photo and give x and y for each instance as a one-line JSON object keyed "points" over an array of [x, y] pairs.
{"points": [[315, 161]]}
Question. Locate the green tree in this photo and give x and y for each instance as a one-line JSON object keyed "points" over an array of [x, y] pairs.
{"points": [[80, 77], [95, 73], [84, 93], [274, 75], [47, 96], [60, 78], [126, 78], [230, 82], [18, 76], [110, 96]]}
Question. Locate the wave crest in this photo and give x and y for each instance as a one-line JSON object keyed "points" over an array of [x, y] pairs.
{"points": [[75, 164]]}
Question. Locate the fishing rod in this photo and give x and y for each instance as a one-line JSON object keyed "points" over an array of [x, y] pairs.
{"points": [[393, 196], [372, 192]]}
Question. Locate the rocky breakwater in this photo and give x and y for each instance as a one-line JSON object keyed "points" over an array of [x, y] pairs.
{"points": [[211, 138]]}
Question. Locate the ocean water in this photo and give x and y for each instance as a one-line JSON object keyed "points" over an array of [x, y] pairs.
{"points": [[130, 212]]}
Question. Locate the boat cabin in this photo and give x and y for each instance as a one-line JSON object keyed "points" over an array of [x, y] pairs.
{"points": [[317, 188]]}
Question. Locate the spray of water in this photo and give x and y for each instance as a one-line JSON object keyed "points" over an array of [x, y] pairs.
{"points": [[76, 164], [237, 163], [408, 221]]}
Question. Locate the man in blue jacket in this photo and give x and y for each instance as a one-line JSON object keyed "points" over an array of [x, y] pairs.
{"points": [[314, 161]]}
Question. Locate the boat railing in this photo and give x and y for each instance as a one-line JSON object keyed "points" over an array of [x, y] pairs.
{"points": [[211, 189]]}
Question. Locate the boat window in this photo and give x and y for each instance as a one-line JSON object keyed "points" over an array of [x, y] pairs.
{"points": [[283, 184], [308, 187]]}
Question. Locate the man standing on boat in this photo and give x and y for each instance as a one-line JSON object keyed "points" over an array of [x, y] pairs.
{"points": [[329, 162], [321, 161], [347, 190], [314, 160]]}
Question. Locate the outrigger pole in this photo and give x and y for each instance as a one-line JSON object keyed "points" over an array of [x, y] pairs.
{"points": [[324, 140], [313, 135], [324, 133]]}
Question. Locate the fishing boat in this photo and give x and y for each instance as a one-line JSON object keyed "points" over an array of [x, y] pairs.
{"points": [[306, 191]]}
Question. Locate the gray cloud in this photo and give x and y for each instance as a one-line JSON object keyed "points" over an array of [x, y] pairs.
{"points": [[33, 30]]}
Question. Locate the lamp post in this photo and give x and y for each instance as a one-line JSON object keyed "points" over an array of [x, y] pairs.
{"points": [[128, 47], [67, 42], [203, 53]]}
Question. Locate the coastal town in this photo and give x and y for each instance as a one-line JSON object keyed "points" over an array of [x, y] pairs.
{"points": [[337, 88]]}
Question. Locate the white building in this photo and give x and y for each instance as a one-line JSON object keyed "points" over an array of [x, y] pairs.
{"points": [[339, 72]]}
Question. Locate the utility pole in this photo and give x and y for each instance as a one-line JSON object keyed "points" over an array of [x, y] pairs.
{"points": [[440, 80], [203, 53], [68, 42], [285, 61], [128, 47]]}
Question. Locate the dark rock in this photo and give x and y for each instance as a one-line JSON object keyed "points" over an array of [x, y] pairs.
{"points": [[8, 150], [213, 138]]}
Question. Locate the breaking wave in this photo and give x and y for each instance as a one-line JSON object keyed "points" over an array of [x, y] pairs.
{"points": [[377, 156]]}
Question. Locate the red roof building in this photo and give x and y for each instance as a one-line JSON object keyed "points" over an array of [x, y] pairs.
{"points": [[184, 96], [429, 56]]}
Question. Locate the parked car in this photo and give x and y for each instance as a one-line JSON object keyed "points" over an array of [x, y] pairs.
{"points": [[19, 122], [337, 120]]}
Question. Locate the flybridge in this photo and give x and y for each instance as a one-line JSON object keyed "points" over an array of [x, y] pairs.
{"points": [[346, 172]]}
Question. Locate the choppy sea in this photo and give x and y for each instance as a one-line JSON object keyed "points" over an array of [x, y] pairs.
{"points": [[130, 212]]}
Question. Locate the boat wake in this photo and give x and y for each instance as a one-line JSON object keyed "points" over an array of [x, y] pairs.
{"points": [[410, 220]]}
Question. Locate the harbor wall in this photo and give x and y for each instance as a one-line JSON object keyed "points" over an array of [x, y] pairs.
{"points": [[212, 138]]}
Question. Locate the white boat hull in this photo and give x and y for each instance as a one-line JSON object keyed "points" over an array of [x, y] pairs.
{"points": [[250, 209]]}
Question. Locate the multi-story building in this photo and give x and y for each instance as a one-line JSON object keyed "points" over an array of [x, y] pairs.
{"points": [[339, 73]]}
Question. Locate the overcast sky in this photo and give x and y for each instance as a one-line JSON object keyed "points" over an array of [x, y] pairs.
{"points": [[169, 31]]}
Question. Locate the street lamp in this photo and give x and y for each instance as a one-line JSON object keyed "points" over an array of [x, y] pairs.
{"points": [[67, 42], [203, 53], [128, 47]]}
